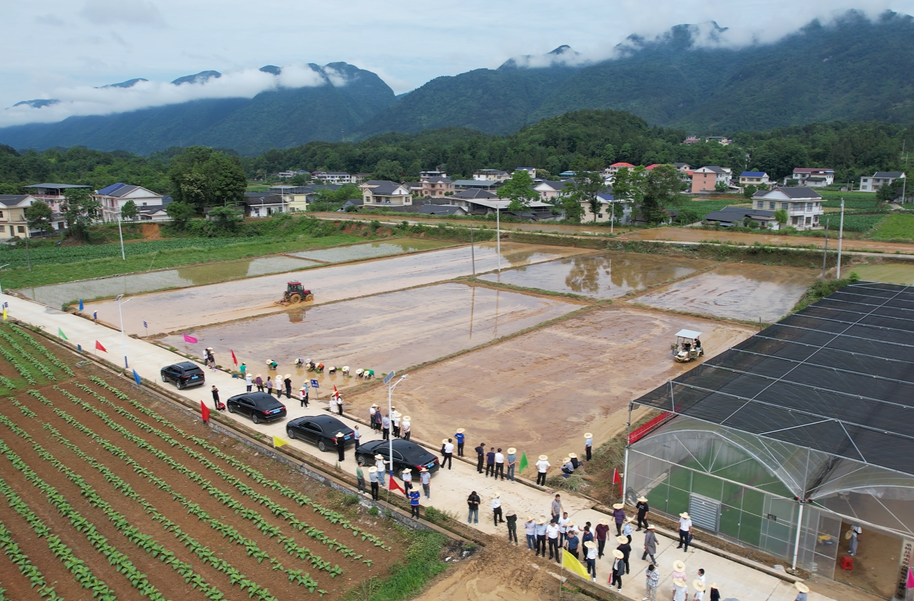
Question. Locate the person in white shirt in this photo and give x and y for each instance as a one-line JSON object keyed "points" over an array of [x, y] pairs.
{"points": [[332, 404], [542, 466], [248, 382], [590, 555], [426, 480], [357, 437], [407, 481], [552, 537], [447, 450], [563, 527], [699, 587], [382, 467], [406, 427], [530, 530], [395, 419], [496, 509], [685, 530], [499, 464]]}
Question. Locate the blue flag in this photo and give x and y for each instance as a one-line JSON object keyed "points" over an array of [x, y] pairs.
{"points": [[145, 325], [81, 304], [136, 377], [315, 384]]}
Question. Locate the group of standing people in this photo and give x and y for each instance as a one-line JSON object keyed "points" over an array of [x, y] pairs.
{"points": [[400, 424]]}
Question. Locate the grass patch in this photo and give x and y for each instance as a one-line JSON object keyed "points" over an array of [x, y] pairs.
{"points": [[421, 564], [823, 288], [573, 483], [898, 227], [439, 516]]}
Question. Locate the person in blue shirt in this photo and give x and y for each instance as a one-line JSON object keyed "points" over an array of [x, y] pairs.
{"points": [[414, 503], [460, 437], [571, 543]]}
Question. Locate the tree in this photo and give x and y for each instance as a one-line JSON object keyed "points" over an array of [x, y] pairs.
{"points": [[585, 187], [387, 170], [749, 190], [519, 190], [661, 189], [180, 212], [80, 210], [226, 218], [781, 217], [203, 177], [890, 192], [129, 211], [38, 215], [300, 179], [721, 187]]}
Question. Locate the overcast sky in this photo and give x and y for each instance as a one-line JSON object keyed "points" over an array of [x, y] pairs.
{"points": [[64, 48]]}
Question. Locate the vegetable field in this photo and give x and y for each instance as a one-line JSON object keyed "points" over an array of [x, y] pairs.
{"points": [[112, 494]]}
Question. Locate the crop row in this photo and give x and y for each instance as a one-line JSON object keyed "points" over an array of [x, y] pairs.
{"points": [[14, 361], [75, 254], [253, 516], [27, 356], [41, 349], [288, 492], [7, 383], [81, 572], [227, 531], [21, 560]]}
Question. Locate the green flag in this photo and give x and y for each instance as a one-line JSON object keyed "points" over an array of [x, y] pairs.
{"points": [[61, 334], [523, 463]]}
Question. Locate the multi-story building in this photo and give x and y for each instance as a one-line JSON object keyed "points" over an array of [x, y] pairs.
{"points": [[114, 197], [707, 178], [813, 177], [491, 175], [377, 193], [12, 215], [753, 178], [803, 205], [878, 180]]}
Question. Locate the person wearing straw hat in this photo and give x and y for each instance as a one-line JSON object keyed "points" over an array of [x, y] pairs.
{"points": [[650, 544], [715, 592], [618, 516], [339, 404], [447, 453], [425, 478], [460, 437], [685, 530], [572, 541], [381, 465], [511, 523], [567, 467], [331, 404], [643, 509], [530, 531], [511, 463], [414, 504], [541, 536], [802, 591], [680, 591], [573, 458], [302, 395], [407, 480], [627, 528], [651, 581], [340, 440], [588, 445], [542, 466], [395, 421], [618, 569], [406, 427], [679, 570], [373, 480], [287, 380], [699, 587], [590, 555], [473, 504], [496, 509], [600, 533], [626, 549]]}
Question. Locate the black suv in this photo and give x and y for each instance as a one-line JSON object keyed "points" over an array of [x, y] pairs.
{"points": [[183, 374], [320, 430], [259, 406]]}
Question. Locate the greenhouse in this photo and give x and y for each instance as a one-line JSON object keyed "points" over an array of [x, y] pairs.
{"points": [[807, 423]]}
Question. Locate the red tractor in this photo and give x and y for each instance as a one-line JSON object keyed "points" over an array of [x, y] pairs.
{"points": [[295, 293]]}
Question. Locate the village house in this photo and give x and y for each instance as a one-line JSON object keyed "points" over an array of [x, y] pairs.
{"points": [[813, 177], [610, 172], [51, 194], [376, 193], [753, 178], [12, 215], [706, 178], [550, 190], [114, 197], [491, 175], [332, 177], [803, 205], [436, 187], [531, 171], [878, 180], [264, 204], [740, 217], [604, 215]]}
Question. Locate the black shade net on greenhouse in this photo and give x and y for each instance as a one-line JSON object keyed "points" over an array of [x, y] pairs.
{"points": [[837, 377]]}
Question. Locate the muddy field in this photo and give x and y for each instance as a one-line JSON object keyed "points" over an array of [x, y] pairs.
{"points": [[191, 308], [381, 332], [602, 275], [184, 277], [749, 292], [370, 250], [540, 392]]}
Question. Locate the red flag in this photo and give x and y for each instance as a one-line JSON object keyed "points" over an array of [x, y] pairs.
{"points": [[204, 411], [234, 360], [190, 339], [98, 345], [394, 485], [617, 479]]}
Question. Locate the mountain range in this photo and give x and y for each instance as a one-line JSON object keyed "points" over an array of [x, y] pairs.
{"points": [[850, 69]]}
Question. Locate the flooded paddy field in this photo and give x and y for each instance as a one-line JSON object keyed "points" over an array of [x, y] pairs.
{"points": [[541, 391], [603, 275], [370, 250], [380, 332], [192, 308], [184, 277], [737, 291], [890, 273]]}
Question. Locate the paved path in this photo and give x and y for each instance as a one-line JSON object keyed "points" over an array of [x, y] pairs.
{"points": [[449, 488]]}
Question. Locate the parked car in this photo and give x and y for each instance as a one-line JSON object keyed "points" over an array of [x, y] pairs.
{"points": [[406, 455], [183, 374], [259, 406], [320, 430]]}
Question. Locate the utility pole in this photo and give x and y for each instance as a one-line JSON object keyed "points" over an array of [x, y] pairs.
{"points": [[825, 252], [840, 236]]}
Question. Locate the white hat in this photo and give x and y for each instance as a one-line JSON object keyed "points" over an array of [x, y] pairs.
{"points": [[461, 430], [588, 435], [423, 469], [801, 587], [618, 505], [622, 540], [379, 457], [209, 348], [541, 520], [544, 457], [684, 514], [496, 495], [698, 585], [565, 459], [511, 450], [572, 455], [590, 544], [617, 554], [679, 582], [678, 566], [642, 499], [372, 470], [407, 418], [287, 377]]}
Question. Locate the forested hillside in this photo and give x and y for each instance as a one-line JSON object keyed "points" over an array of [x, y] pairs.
{"points": [[553, 146]]}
